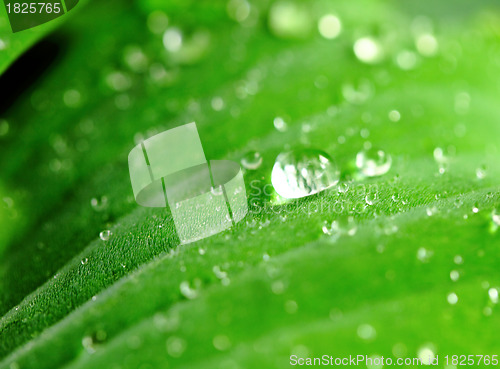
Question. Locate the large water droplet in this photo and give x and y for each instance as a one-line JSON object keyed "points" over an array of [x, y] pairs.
{"points": [[373, 162], [302, 173]]}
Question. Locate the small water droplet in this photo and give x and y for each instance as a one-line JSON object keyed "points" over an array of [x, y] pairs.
{"points": [[427, 44], [85, 261], [4, 127], [88, 344], [72, 98], [172, 39], [431, 211], [176, 346], [157, 22], [135, 58], [482, 172], [118, 81], [394, 115], [290, 20], [424, 255], [495, 217], [302, 173], [239, 10], [373, 162], [252, 160], [366, 332], [426, 354], [291, 306], [216, 191], [458, 259], [493, 295], [368, 50], [280, 124], [104, 235], [187, 291], [329, 26], [99, 204], [217, 103], [3, 44], [452, 298], [406, 59], [454, 275], [221, 342]]}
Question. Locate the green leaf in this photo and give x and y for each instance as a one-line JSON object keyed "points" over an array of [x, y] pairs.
{"points": [[275, 284]]}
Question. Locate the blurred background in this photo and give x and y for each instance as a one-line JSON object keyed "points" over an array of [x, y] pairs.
{"points": [[402, 264]]}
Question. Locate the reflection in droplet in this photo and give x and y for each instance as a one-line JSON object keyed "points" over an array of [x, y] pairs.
{"points": [[304, 172]]}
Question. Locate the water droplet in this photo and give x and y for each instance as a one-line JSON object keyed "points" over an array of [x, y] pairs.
{"points": [[157, 22], [370, 199], [88, 344], [426, 44], [394, 115], [475, 208], [202, 251], [357, 94], [426, 354], [176, 346], [482, 172], [4, 127], [172, 39], [221, 342], [431, 211], [104, 235], [406, 60], [424, 255], [373, 162], [118, 81], [458, 259], [302, 173], [342, 226], [462, 103], [99, 204], [368, 50], [366, 332], [3, 44], [329, 26], [85, 261], [495, 217], [452, 298], [135, 59], [217, 191], [291, 306], [291, 20], [72, 98], [280, 124], [217, 103], [454, 275], [343, 187], [252, 160], [493, 295], [239, 10], [187, 291]]}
